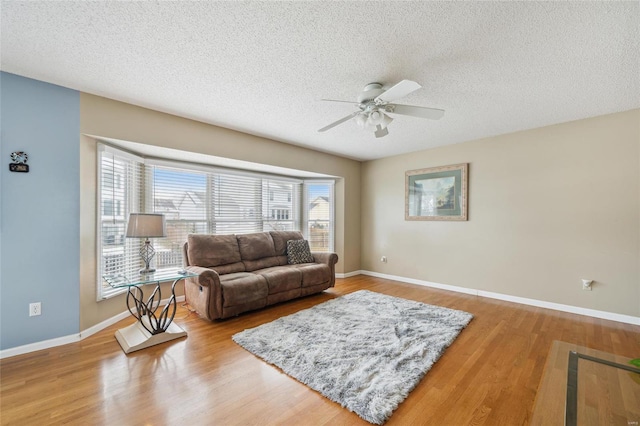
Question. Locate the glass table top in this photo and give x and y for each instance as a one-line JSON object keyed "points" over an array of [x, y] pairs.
{"points": [[161, 275], [598, 391]]}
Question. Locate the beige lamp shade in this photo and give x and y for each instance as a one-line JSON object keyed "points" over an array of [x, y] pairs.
{"points": [[146, 225]]}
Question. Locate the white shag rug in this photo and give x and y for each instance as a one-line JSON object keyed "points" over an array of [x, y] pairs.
{"points": [[365, 350]]}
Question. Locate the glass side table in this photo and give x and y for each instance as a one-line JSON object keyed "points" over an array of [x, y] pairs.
{"points": [[153, 326], [584, 386]]}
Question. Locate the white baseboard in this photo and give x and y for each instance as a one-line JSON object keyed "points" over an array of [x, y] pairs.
{"points": [[38, 346], [349, 274], [104, 324], [628, 319], [72, 338]]}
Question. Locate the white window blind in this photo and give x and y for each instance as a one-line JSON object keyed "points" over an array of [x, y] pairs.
{"points": [[120, 182], [237, 204], [282, 211], [184, 199], [196, 201], [319, 214]]}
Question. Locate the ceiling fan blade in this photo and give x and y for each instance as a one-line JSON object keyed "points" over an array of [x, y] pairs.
{"points": [[415, 111], [380, 131], [398, 91], [342, 120], [335, 100]]}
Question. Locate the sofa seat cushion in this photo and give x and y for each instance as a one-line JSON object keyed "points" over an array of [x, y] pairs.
{"points": [[281, 278], [230, 268], [242, 287], [314, 274]]}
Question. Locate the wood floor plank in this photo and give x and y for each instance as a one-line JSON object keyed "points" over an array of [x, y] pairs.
{"points": [[488, 376]]}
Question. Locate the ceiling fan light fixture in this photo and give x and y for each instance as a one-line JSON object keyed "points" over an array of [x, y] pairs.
{"points": [[376, 117], [379, 118], [361, 119], [373, 120], [386, 120], [370, 125]]}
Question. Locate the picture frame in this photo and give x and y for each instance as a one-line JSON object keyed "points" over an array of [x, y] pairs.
{"points": [[437, 193]]}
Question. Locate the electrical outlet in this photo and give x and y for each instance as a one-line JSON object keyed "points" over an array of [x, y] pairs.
{"points": [[35, 309], [383, 259]]}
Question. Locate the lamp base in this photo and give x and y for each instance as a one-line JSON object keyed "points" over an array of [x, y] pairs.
{"points": [[146, 253]]}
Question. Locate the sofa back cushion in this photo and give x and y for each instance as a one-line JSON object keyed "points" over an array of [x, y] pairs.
{"points": [[219, 252], [255, 246], [257, 251], [280, 239]]}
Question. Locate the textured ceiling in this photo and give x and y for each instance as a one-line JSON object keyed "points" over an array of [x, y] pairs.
{"points": [[262, 67]]}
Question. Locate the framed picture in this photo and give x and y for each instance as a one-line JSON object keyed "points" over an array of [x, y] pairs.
{"points": [[438, 193]]}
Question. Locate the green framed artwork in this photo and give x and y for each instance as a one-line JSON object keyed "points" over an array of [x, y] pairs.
{"points": [[437, 193]]}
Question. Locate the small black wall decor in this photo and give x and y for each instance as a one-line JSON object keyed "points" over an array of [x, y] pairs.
{"points": [[19, 164]]}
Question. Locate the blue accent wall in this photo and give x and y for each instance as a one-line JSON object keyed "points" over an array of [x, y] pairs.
{"points": [[39, 211]]}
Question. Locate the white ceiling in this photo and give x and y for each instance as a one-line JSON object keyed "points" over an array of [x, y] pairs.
{"points": [[262, 67]]}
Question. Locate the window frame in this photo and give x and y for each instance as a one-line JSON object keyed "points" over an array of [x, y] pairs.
{"points": [[332, 205]]}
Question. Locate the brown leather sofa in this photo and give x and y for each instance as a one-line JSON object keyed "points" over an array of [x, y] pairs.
{"points": [[239, 273]]}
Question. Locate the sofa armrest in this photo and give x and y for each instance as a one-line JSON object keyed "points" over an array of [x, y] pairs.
{"points": [[204, 292], [329, 259], [206, 277], [323, 257]]}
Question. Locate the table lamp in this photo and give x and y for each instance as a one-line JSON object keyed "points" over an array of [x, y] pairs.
{"points": [[146, 225]]}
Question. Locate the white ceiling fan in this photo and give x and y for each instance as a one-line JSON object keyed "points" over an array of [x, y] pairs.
{"points": [[374, 104]]}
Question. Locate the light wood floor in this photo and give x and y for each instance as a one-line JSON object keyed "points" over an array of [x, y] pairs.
{"points": [[489, 375]]}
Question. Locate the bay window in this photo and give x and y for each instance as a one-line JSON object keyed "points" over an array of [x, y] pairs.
{"points": [[199, 199]]}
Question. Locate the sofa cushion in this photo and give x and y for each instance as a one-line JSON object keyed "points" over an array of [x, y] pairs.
{"points": [[281, 278], [243, 287], [298, 252], [230, 268], [212, 250], [283, 296], [255, 246], [267, 262], [314, 274], [280, 239]]}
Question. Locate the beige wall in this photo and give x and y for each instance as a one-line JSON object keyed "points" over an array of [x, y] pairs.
{"points": [[547, 207], [111, 119]]}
